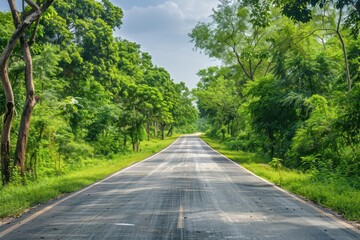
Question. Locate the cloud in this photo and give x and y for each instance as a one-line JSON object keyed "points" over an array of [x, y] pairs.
{"points": [[177, 16], [162, 30], [166, 17], [196, 9]]}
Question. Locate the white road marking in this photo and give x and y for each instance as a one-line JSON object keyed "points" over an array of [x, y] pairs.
{"points": [[180, 224], [124, 224]]}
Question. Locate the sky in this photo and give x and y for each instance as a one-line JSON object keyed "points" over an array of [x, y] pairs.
{"points": [[161, 27]]}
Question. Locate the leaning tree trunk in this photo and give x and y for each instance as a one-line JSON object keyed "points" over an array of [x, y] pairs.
{"points": [[8, 118], [31, 99], [30, 103], [21, 27]]}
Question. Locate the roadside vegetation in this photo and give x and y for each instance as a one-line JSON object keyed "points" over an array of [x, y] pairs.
{"points": [[288, 91], [92, 95], [77, 103], [331, 192]]}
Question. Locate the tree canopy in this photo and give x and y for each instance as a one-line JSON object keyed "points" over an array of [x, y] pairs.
{"points": [[288, 88], [97, 94]]}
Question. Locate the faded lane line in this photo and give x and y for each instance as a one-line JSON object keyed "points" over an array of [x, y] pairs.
{"points": [[124, 224], [180, 224], [313, 206], [35, 215]]}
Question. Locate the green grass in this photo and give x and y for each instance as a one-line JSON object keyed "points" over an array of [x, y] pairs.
{"points": [[332, 193], [15, 199]]}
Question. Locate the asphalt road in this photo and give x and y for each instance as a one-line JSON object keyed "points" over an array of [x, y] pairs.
{"points": [[186, 192]]}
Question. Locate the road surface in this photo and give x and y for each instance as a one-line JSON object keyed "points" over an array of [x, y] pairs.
{"points": [[188, 191]]}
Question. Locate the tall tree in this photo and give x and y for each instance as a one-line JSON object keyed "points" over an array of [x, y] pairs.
{"points": [[21, 26], [348, 15], [236, 35]]}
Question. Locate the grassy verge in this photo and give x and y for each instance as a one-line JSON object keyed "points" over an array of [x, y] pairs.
{"points": [[15, 199], [332, 193]]}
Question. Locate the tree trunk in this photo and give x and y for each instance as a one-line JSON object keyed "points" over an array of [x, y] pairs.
{"points": [[125, 140], [169, 134], [31, 99], [8, 118], [162, 131], [136, 147], [272, 140], [347, 68], [148, 130], [34, 156], [35, 167], [21, 27], [132, 141], [155, 130], [30, 102]]}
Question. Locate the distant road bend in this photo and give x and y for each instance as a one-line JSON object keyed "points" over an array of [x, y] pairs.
{"points": [[188, 191]]}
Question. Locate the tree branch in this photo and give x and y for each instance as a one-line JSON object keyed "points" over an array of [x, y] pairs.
{"points": [[22, 27], [33, 37]]}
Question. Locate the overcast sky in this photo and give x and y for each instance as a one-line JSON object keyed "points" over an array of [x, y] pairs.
{"points": [[161, 28]]}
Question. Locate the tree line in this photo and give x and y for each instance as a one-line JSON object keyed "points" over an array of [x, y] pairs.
{"points": [[289, 86], [86, 92]]}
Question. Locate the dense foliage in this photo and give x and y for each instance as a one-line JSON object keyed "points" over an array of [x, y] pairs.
{"points": [[99, 95], [289, 87]]}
